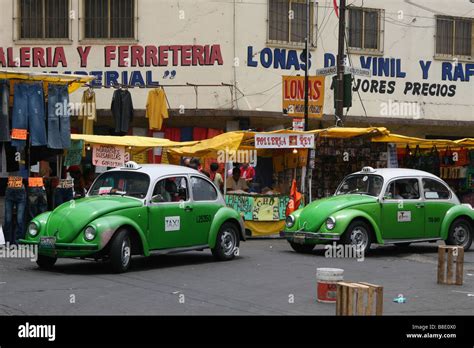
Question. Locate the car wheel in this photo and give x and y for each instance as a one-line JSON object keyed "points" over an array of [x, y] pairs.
{"points": [[358, 234], [46, 262], [460, 234], [121, 252], [226, 243], [302, 248]]}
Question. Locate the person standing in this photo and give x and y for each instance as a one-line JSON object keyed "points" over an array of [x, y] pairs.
{"points": [[216, 177]]}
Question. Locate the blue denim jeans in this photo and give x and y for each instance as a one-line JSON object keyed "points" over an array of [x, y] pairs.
{"points": [[59, 122], [37, 201], [29, 113], [4, 114], [62, 195], [14, 197]]}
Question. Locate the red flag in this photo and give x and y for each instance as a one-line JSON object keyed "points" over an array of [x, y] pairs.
{"points": [[336, 8], [295, 199]]}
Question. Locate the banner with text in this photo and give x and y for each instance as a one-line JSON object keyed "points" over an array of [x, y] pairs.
{"points": [[108, 156], [293, 96], [284, 141]]}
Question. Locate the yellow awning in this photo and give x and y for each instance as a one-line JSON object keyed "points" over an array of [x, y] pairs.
{"points": [[129, 141], [74, 81], [402, 140]]}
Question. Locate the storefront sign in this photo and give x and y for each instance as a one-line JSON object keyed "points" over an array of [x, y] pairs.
{"points": [[15, 182], [35, 182], [240, 203], [266, 209], [19, 134], [294, 95], [108, 156], [298, 124], [284, 141]]}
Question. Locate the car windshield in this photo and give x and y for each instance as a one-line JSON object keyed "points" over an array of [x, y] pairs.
{"points": [[361, 184], [121, 183]]}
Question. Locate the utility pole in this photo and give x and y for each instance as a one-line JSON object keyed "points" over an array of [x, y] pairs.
{"points": [[306, 77], [340, 63]]}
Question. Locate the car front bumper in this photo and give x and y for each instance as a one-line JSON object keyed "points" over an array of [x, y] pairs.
{"points": [[65, 249], [309, 237]]}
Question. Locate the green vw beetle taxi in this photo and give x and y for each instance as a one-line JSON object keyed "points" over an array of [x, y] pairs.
{"points": [[383, 206], [139, 210]]}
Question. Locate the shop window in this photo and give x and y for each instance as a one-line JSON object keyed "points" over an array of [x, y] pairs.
{"points": [[435, 190], [453, 37], [43, 19], [364, 29], [287, 22], [203, 190], [109, 19]]}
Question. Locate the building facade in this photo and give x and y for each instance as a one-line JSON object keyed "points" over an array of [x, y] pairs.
{"points": [[221, 62]]}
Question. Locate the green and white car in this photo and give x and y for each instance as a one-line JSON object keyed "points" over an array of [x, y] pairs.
{"points": [[383, 206], [139, 210]]}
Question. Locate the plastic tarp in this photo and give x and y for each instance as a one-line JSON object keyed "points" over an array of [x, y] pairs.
{"points": [[402, 140], [129, 141], [74, 81]]}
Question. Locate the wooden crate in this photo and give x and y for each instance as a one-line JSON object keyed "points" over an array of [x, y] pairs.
{"points": [[359, 299], [450, 265]]}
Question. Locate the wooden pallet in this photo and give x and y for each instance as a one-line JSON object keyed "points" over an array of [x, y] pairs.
{"points": [[448, 273], [359, 299]]}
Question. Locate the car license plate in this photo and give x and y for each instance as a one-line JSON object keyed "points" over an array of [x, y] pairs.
{"points": [[299, 238], [47, 242]]}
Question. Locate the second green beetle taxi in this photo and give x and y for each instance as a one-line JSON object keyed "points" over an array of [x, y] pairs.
{"points": [[383, 206]]}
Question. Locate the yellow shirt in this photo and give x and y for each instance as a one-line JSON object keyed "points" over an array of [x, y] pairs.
{"points": [[88, 112], [156, 108]]}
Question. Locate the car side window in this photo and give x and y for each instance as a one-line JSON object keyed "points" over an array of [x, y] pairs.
{"points": [[172, 189], [403, 189], [203, 190], [433, 189]]}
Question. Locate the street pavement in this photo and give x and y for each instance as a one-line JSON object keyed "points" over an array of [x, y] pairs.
{"points": [[262, 280]]}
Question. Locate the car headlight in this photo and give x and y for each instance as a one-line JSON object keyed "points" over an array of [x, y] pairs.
{"points": [[89, 233], [330, 223], [33, 229], [290, 221]]}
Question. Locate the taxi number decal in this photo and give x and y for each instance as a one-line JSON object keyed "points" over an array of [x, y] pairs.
{"points": [[172, 223], [404, 216], [203, 218]]}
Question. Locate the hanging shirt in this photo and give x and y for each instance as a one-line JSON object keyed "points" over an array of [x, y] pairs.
{"points": [[156, 108], [122, 110], [88, 112]]}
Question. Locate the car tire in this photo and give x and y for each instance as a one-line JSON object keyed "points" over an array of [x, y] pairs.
{"points": [[302, 248], [226, 242], [46, 262], [121, 252], [460, 233], [358, 233]]}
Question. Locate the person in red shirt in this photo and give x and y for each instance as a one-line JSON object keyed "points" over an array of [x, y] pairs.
{"points": [[247, 172]]}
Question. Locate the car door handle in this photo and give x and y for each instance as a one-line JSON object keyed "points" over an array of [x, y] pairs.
{"points": [[188, 209], [420, 205]]}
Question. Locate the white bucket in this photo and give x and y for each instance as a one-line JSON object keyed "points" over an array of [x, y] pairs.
{"points": [[326, 283]]}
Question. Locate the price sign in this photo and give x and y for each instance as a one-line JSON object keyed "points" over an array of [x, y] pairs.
{"points": [[19, 134], [35, 182], [15, 182], [66, 183]]}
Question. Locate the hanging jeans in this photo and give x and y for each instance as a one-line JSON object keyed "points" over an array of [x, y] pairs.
{"points": [[29, 113], [14, 197], [37, 201], [62, 195], [4, 114], [59, 122]]}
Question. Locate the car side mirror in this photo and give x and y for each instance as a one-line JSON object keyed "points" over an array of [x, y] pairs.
{"points": [[157, 198]]}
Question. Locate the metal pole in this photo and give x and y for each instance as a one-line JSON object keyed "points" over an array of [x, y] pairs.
{"points": [[340, 63], [306, 77]]}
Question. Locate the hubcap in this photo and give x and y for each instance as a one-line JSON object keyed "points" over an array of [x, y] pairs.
{"points": [[359, 237], [228, 242], [460, 235], [125, 252]]}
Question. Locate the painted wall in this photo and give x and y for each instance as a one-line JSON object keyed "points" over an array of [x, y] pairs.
{"points": [[214, 42]]}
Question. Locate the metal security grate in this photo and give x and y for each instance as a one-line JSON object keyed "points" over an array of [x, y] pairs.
{"points": [[44, 19], [454, 36], [364, 28], [107, 19], [287, 21]]}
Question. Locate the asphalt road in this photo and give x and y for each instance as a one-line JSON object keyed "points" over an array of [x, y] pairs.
{"points": [[260, 281]]}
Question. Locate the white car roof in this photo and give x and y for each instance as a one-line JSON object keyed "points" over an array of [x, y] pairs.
{"points": [[159, 170], [390, 173]]}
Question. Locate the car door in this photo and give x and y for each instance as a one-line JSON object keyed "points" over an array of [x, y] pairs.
{"points": [[170, 214], [402, 212], [206, 203], [437, 203]]}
